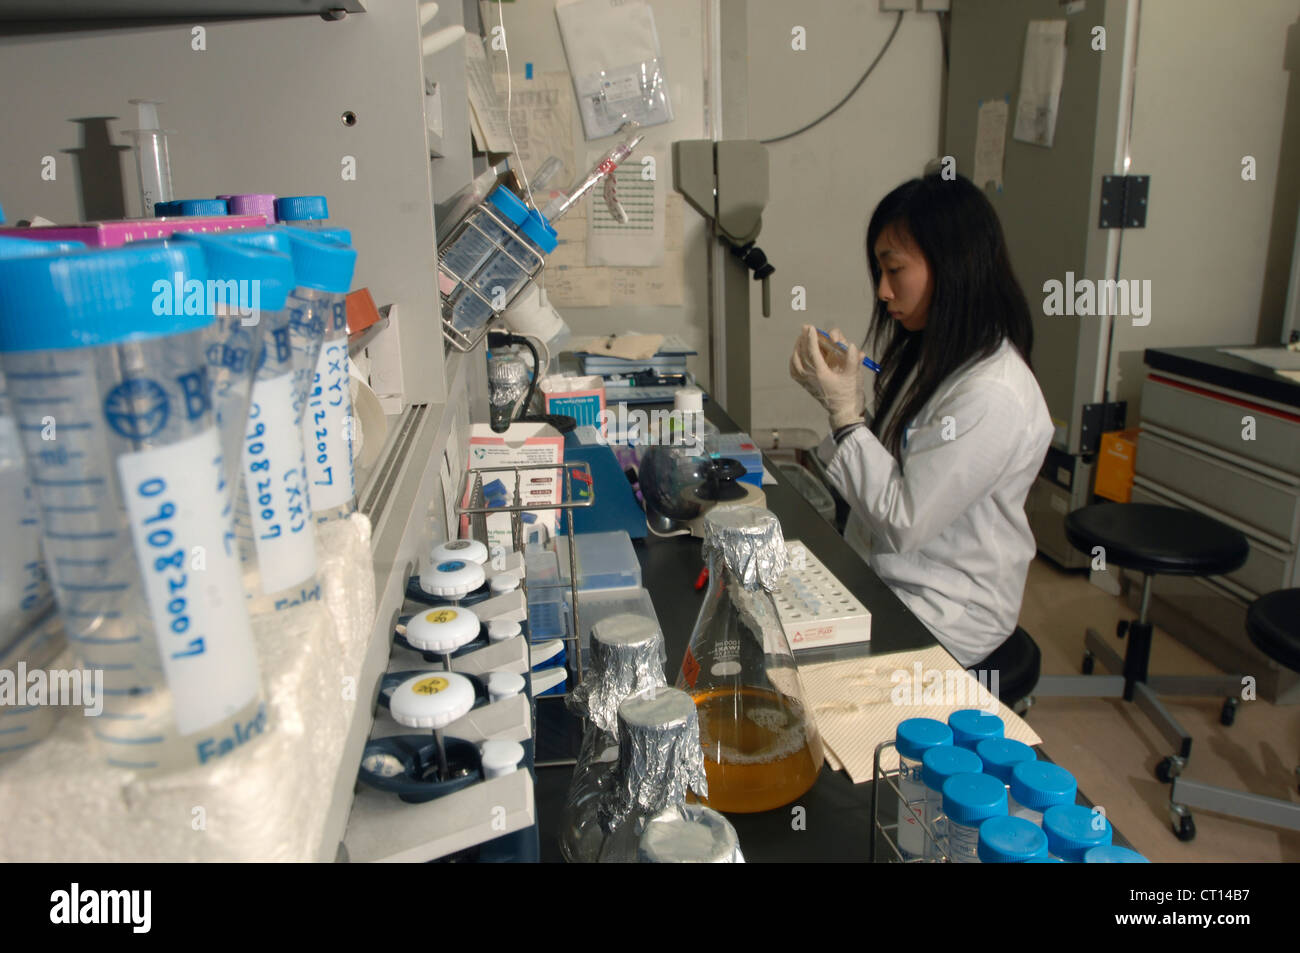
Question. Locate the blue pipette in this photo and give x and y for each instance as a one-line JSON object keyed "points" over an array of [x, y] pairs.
{"points": [[866, 361]]}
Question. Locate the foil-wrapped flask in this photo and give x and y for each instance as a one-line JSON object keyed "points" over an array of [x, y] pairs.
{"points": [[701, 836], [627, 657], [761, 746], [658, 763]]}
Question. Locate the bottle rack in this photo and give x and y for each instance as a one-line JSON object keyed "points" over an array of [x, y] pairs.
{"points": [[889, 832], [475, 219], [471, 490]]}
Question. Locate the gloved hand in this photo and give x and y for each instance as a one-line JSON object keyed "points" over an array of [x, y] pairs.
{"points": [[836, 382]]}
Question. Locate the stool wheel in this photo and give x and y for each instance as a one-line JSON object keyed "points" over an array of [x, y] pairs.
{"points": [[1229, 713], [1168, 769], [1184, 827], [1121, 628], [1089, 661]]}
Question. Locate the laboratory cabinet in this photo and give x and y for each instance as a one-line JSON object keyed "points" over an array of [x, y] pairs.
{"points": [[1221, 436]]}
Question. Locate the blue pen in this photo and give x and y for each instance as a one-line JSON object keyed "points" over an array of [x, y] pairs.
{"points": [[866, 361]]}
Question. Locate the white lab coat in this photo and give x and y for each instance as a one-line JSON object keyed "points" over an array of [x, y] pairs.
{"points": [[946, 529]]}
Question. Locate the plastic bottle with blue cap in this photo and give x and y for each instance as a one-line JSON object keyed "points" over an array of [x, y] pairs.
{"points": [[196, 208], [1074, 829], [970, 726], [968, 801], [1010, 840], [1037, 785], [1000, 755], [303, 211], [1112, 854], [318, 325], [938, 764], [274, 531], [136, 468], [912, 739]]}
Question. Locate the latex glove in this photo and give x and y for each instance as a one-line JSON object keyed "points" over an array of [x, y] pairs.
{"points": [[836, 382]]}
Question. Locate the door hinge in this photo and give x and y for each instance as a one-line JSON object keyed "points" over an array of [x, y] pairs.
{"points": [[1124, 201]]}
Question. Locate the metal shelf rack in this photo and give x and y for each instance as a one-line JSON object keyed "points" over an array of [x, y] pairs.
{"points": [[471, 490], [889, 832], [478, 219]]}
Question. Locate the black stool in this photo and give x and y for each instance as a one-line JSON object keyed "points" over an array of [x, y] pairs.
{"points": [[1152, 540], [1018, 663], [1273, 624]]}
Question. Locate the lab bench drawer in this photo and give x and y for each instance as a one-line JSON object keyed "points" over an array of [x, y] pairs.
{"points": [[1266, 568], [1266, 504], [1213, 419]]}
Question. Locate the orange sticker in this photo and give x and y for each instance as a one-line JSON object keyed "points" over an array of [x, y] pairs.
{"points": [[690, 669]]}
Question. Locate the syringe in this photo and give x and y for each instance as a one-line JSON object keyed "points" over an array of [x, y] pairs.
{"points": [[607, 164]]}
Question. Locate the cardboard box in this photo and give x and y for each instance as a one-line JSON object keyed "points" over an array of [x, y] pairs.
{"points": [[1116, 461], [116, 234], [582, 398], [523, 443]]}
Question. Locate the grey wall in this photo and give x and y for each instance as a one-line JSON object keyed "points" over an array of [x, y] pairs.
{"points": [[1211, 88], [825, 182], [258, 111], [534, 37]]}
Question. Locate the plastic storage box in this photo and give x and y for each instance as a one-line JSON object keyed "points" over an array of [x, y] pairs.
{"points": [[605, 561]]}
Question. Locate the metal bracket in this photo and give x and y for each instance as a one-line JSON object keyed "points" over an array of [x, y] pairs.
{"points": [[1124, 201], [1097, 420]]}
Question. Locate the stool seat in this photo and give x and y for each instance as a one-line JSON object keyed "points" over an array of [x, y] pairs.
{"points": [[1273, 624], [1158, 539], [1018, 662]]}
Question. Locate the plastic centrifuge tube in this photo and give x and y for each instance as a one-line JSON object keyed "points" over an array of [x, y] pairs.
{"points": [[132, 495], [318, 333], [151, 160]]}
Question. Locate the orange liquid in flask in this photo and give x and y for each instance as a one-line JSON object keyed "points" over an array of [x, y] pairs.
{"points": [[759, 751]]}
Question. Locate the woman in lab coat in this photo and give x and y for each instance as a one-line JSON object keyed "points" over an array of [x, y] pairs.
{"points": [[936, 481]]}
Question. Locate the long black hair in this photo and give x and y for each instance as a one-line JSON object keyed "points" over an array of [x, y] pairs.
{"points": [[977, 302]]}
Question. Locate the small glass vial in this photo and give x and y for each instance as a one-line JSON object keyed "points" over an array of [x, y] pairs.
{"points": [[1010, 840], [1037, 785], [937, 766], [970, 726], [1073, 829], [968, 801], [1000, 755], [913, 739]]}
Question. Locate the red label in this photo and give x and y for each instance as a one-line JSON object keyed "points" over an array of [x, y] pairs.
{"points": [[690, 669]]}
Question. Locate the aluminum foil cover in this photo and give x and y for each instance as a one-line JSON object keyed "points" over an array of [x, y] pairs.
{"points": [[659, 756], [627, 656], [695, 835], [508, 378], [750, 541]]}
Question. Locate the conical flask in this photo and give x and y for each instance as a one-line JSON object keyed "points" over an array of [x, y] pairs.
{"points": [[761, 746], [627, 657]]}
